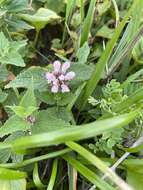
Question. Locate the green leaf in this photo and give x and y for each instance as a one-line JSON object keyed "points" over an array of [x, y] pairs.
{"points": [[64, 99], [41, 18], [105, 32], [16, 5], [36, 177], [72, 133], [137, 51], [130, 101], [19, 25], [3, 73], [95, 161], [53, 175], [135, 179], [14, 124], [4, 44], [36, 159], [103, 7], [3, 96], [57, 6], [6, 154], [46, 97], [135, 165], [83, 53], [69, 10], [100, 66], [131, 78], [75, 97], [13, 184], [9, 51], [83, 72], [34, 74], [129, 34], [17, 45], [13, 58], [23, 112], [27, 104], [88, 174], [28, 100], [87, 22], [11, 174], [134, 149], [48, 120]]}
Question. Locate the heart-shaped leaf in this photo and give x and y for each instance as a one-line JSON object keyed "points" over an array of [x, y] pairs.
{"points": [[41, 18]]}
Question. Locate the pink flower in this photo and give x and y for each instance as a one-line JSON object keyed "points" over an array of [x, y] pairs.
{"points": [[59, 77]]}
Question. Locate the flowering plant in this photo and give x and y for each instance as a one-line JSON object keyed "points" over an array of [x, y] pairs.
{"points": [[59, 77]]}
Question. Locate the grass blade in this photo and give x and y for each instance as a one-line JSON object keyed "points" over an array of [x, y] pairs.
{"points": [[36, 178], [73, 133], [69, 11], [91, 176], [87, 23], [53, 175], [36, 159], [99, 164], [99, 68]]}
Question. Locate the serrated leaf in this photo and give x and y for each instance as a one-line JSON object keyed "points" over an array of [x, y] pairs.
{"points": [[41, 18], [9, 51], [83, 73], [65, 99], [4, 44], [83, 53], [19, 25], [34, 74], [27, 104], [13, 58], [28, 99], [46, 97], [48, 120], [17, 45], [3, 73], [13, 124], [16, 5], [3, 96], [23, 111], [6, 154], [13, 184], [73, 133]]}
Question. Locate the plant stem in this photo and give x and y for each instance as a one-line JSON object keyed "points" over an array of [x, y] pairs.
{"points": [[36, 37], [36, 159]]}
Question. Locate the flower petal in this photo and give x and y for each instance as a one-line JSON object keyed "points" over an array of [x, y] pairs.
{"points": [[50, 77], [62, 77], [57, 66], [56, 82], [55, 88], [70, 75], [65, 66], [64, 88]]}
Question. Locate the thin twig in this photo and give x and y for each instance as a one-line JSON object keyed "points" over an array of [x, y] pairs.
{"points": [[138, 142], [120, 160]]}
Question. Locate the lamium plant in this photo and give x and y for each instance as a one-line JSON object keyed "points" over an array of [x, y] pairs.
{"points": [[71, 108]]}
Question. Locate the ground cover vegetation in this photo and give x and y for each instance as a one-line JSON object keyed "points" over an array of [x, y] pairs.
{"points": [[71, 108]]}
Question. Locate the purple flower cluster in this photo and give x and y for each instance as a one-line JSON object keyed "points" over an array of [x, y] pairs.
{"points": [[59, 77]]}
